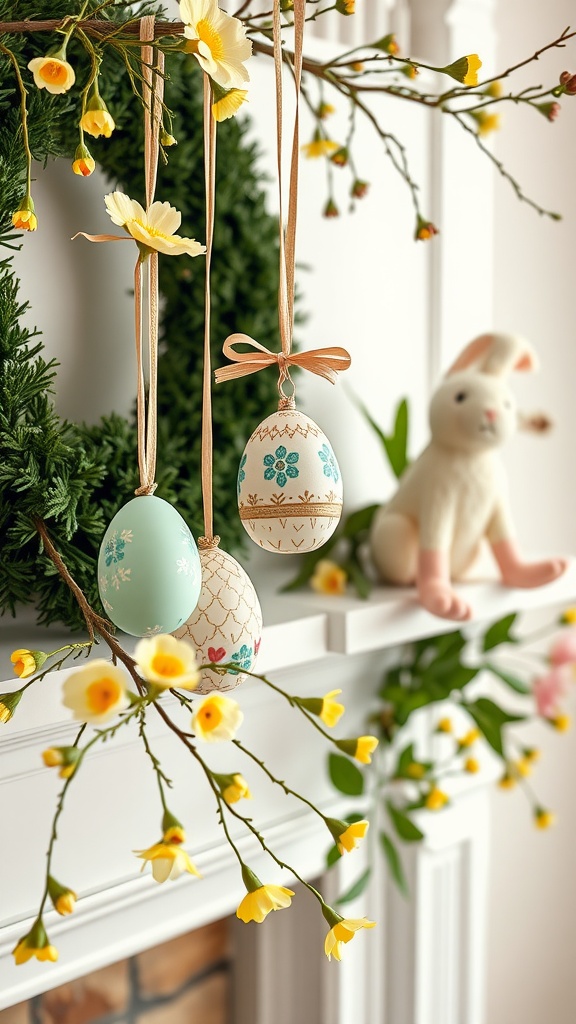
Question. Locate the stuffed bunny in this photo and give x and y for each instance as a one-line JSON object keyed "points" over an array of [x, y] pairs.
{"points": [[454, 494]]}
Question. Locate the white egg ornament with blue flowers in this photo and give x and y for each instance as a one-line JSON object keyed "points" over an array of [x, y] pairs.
{"points": [[289, 484], [149, 573]]}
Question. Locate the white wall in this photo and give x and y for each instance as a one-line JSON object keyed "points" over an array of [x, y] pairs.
{"points": [[533, 892]]}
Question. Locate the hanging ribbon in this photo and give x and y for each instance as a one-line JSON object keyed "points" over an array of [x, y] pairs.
{"points": [[152, 96], [209, 540], [325, 362]]}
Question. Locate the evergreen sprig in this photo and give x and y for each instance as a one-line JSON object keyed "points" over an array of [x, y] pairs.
{"points": [[76, 477]]}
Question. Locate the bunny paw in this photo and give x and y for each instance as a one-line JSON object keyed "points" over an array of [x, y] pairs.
{"points": [[439, 598], [534, 574]]}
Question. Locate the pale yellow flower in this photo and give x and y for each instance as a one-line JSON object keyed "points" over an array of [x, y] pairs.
{"points": [[168, 860], [328, 578], [233, 787], [96, 692], [216, 718], [217, 40], [52, 73], [153, 228], [257, 904], [97, 119], [544, 819], [343, 931], [319, 147], [227, 102], [486, 122], [65, 758], [167, 662]]}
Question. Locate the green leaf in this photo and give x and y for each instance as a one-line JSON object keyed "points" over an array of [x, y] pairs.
{"points": [[499, 633], [356, 889], [406, 758], [358, 578], [404, 825], [332, 856], [490, 718], [359, 521], [394, 863], [518, 685], [345, 776], [396, 445]]}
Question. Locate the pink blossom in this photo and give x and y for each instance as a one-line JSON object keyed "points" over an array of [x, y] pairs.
{"points": [[550, 689], [563, 650]]}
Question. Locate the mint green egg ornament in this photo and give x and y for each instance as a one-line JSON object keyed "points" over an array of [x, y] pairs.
{"points": [[149, 573]]}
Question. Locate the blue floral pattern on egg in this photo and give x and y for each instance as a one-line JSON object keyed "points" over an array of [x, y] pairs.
{"points": [[289, 484], [148, 568]]}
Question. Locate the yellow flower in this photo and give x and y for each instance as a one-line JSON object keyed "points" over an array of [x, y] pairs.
{"points": [[568, 616], [328, 578], [486, 122], [346, 6], [63, 899], [167, 858], [360, 748], [65, 758], [325, 110], [24, 662], [436, 799], [544, 819], [347, 836], [319, 147], [507, 781], [471, 765], [469, 738], [531, 754], [8, 704], [84, 163], [35, 944], [561, 722], [227, 102], [216, 718], [232, 787], [167, 662], [343, 930], [388, 44], [25, 219], [217, 40], [357, 65], [153, 228], [327, 709], [415, 770], [522, 768], [444, 725], [494, 89], [261, 899], [464, 70], [96, 692], [52, 73], [97, 119]]}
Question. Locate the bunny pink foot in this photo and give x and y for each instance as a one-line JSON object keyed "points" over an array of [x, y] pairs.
{"points": [[434, 590], [516, 573]]}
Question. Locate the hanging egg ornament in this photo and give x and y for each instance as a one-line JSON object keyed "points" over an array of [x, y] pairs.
{"points": [[149, 572], [289, 484], [226, 625]]}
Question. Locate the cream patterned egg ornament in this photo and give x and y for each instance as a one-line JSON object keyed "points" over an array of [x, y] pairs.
{"points": [[289, 484], [226, 625]]}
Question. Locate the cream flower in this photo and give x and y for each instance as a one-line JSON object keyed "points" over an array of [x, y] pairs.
{"points": [[153, 228], [217, 40], [165, 661], [96, 692], [168, 861], [216, 718], [52, 74]]}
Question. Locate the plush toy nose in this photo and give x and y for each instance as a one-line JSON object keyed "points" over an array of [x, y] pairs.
{"points": [[490, 414]]}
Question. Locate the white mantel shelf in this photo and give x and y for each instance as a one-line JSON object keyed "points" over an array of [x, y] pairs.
{"points": [[311, 644]]}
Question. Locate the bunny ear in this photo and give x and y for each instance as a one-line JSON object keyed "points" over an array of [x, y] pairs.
{"points": [[496, 354]]}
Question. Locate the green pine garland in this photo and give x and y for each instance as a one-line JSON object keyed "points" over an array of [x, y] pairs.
{"points": [[75, 477]]}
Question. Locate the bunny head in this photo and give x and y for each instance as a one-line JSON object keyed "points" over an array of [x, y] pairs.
{"points": [[474, 409]]}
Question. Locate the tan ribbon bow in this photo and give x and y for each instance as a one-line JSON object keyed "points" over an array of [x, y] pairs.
{"points": [[326, 362]]}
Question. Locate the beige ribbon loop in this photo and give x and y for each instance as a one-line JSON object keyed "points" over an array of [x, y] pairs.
{"points": [[325, 362]]}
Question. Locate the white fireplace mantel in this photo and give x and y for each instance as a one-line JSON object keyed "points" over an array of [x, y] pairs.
{"points": [[311, 644]]}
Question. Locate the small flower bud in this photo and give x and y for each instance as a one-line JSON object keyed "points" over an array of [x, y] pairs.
{"points": [[84, 162], [65, 758], [331, 210], [359, 188], [63, 898], [346, 6], [548, 110], [387, 44], [340, 157], [8, 704], [167, 140], [424, 230]]}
